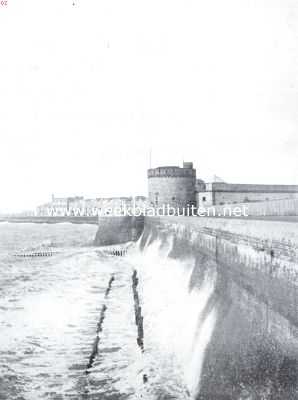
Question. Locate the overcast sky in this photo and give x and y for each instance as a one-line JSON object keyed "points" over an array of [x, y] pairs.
{"points": [[87, 89]]}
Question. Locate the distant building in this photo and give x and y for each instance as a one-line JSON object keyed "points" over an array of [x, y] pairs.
{"points": [[179, 188], [77, 205], [140, 202], [219, 193], [91, 203], [59, 202], [60, 206], [43, 210]]}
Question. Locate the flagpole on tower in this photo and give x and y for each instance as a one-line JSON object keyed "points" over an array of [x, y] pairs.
{"points": [[150, 156]]}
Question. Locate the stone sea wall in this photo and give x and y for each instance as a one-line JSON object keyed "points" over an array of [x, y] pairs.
{"points": [[116, 230], [255, 341], [253, 352]]}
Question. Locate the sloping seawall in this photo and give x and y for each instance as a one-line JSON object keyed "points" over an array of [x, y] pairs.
{"points": [[249, 269]]}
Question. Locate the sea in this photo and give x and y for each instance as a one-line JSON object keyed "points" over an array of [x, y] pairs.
{"points": [[68, 319]]}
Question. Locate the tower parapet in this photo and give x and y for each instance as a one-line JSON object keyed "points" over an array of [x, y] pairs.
{"points": [[171, 172]]}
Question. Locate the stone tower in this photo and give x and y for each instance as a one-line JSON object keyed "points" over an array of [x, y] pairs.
{"points": [[173, 186]]}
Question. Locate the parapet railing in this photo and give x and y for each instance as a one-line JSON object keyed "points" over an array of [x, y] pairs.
{"points": [[171, 172], [283, 249]]}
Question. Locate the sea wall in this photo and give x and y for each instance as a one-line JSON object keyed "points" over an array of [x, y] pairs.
{"points": [[118, 229], [255, 342]]}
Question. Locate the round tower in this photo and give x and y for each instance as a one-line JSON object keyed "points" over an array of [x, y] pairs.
{"points": [[173, 186]]}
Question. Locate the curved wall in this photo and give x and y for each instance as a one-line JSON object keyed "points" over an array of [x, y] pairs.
{"points": [[253, 351], [171, 186]]}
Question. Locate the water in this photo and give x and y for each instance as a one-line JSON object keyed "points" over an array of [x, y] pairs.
{"points": [[50, 308]]}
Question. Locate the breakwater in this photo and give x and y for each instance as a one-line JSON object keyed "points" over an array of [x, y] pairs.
{"points": [[43, 253], [138, 311], [99, 328]]}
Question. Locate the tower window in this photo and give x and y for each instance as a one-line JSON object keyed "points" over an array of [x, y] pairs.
{"points": [[204, 198]]}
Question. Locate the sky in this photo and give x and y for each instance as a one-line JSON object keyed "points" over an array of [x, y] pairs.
{"points": [[88, 87]]}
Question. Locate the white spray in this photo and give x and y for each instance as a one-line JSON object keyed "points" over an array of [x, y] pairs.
{"points": [[173, 314]]}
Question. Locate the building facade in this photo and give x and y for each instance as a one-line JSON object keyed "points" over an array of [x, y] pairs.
{"points": [[77, 205], [179, 188], [219, 193]]}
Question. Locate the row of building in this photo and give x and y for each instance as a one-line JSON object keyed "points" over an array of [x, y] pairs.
{"points": [[179, 188], [67, 206]]}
